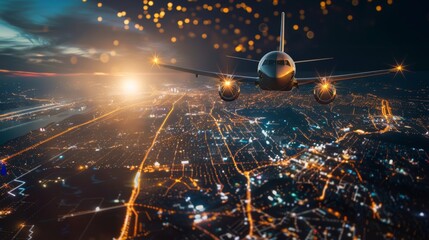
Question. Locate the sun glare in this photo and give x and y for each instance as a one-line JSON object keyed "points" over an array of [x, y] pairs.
{"points": [[130, 86]]}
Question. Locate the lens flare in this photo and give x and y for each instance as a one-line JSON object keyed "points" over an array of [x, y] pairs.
{"points": [[227, 83]]}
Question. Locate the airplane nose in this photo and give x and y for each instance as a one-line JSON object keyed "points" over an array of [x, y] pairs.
{"points": [[277, 73], [283, 72], [277, 79], [270, 74]]}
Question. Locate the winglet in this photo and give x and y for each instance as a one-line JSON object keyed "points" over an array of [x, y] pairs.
{"points": [[282, 34]]}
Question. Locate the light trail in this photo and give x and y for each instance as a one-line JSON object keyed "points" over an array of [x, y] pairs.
{"points": [[27, 110], [21, 176], [136, 189], [20, 229], [34, 99], [30, 232], [21, 183], [17, 187], [81, 213], [5, 159]]}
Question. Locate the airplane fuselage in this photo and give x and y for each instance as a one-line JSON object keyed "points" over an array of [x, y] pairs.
{"points": [[276, 71]]}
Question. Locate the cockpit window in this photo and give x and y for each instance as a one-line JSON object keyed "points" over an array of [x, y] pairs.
{"points": [[276, 62], [283, 62], [269, 62]]}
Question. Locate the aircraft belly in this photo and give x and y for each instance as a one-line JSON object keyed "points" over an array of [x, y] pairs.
{"points": [[284, 83]]}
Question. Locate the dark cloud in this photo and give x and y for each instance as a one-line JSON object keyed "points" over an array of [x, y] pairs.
{"points": [[50, 45]]}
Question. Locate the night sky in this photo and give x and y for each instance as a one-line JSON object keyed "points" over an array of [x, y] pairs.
{"points": [[75, 36]]}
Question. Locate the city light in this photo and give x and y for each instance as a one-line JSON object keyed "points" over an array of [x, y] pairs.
{"points": [[126, 150]]}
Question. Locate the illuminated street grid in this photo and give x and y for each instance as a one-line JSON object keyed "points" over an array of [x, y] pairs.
{"points": [[269, 165]]}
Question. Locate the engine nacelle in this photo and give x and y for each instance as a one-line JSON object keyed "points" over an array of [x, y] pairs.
{"points": [[229, 90], [325, 93]]}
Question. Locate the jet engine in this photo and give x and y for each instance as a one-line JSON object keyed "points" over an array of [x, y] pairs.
{"points": [[229, 90], [324, 93]]}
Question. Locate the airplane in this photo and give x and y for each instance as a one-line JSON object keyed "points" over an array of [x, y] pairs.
{"points": [[276, 72]]}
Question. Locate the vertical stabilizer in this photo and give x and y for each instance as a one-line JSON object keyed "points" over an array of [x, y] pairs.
{"points": [[282, 34]]}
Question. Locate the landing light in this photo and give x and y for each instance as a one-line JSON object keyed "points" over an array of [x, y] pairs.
{"points": [[227, 83], [399, 68], [155, 59], [325, 86]]}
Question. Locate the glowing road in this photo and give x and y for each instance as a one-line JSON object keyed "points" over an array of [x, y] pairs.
{"points": [[137, 182]]}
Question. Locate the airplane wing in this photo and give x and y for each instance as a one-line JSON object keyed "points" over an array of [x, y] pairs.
{"points": [[313, 60], [296, 62], [219, 75], [344, 77], [244, 59]]}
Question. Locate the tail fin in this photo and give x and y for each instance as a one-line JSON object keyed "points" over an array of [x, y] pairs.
{"points": [[282, 34]]}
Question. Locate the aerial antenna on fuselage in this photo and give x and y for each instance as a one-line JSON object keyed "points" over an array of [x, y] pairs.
{"points": [[282, 34]]}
